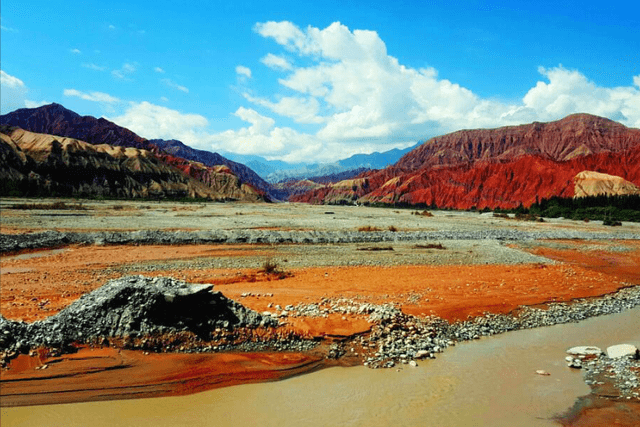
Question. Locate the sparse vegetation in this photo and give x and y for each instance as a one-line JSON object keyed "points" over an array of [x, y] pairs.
{"points": [[609, 209], [272, 268], [393, 228], [78, 206], [369, 228], [430, 246], [423, 213], [376, 248]]}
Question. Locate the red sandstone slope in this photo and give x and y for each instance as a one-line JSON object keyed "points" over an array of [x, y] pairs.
{"points": [[497, 168], [574, 136]]}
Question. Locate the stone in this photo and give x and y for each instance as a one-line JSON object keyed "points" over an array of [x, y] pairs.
{"points": [[585, 351], [621, 350], [542, 372]]}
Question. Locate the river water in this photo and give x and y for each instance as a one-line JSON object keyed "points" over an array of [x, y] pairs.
{"points": [[490, 382]]}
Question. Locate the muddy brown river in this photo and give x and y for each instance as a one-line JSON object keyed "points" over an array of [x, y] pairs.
{"points": [[490, 382]]}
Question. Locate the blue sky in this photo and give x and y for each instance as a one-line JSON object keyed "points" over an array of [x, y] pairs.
{"points": [[321, 81]]}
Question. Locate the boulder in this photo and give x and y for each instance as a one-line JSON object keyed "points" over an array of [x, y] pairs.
{"points": [[621, 350], [585, 351]]}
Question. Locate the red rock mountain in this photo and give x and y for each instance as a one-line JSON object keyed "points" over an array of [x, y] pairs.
{"points": [[502, 167]]}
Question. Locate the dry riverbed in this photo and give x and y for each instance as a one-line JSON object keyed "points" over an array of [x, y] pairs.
{"points": [[462, 273]]}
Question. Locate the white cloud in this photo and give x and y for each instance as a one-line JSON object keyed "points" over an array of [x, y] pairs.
{"points": [[76, 51], [276, 62], [569, 91], [170, 83], [112, 27], [100, 97], [154, 121], [95, 67], [263, 137], [8, 29], [124, 71], [352, 96], [366, 95], [243, 71], [35, 104], [300, 109], [158, 70], [13, 94], [164, 99], [11, 82]]}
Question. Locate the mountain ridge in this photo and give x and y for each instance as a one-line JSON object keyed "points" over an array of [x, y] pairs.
{"points": [[502, 167], [55, 119], [48, 165]]}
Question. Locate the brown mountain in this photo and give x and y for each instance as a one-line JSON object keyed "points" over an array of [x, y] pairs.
{"points": [[54, 119], [40, 164], [501, 167]]}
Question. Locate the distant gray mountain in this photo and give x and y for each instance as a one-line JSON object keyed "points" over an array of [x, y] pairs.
{"points": [[276, 170]]}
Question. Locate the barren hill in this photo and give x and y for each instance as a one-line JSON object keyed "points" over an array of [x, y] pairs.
{"points": [[54, 119], [589, 183], [40, 164], [574, 136]]}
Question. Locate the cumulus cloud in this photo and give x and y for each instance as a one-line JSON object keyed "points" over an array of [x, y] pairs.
{"points": [[300, 109], [155, 121], [100, 97], [569, 91], [263, 137], [366, 96], [158, 70], [75, 51], [13, 94], [352, 96], [170, 83]]}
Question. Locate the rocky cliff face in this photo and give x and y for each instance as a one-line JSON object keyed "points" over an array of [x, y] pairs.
{"points": [[574, 136], [39, 164], [54, 119], [207, 158], [502, 167]]}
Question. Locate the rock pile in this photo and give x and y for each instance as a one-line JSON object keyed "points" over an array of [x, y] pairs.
{"points": [[620, 371], [401, 338], [49, 239], [134, 307]]}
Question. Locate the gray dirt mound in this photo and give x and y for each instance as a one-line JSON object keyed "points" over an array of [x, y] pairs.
{"points": [[134, 306]]}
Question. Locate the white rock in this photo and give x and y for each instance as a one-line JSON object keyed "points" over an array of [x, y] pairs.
{"points": [[421, 353], [413, 363], [585, 351], [621, 350]]}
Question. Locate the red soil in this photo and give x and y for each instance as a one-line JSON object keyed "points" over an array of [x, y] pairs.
{"points": [[107, 373], [38, 287]]}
